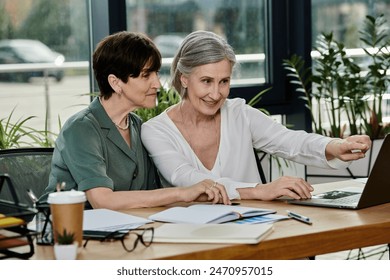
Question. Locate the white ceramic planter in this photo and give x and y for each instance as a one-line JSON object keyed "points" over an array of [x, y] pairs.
{"points": [[65, 252]]}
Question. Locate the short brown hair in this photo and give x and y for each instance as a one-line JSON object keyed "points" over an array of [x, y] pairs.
{"points": [[123, 54]]}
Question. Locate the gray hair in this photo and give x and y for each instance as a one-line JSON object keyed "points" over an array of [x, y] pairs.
{"points": [[199, 48]]}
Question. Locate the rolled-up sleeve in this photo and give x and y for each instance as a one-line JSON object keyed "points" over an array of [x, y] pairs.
{"points": [[85, 160]]}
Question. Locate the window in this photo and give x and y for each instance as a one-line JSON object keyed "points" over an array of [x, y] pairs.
{"points": [[257, 30], [57, 31], [241, 23], [262, 32], [345, 18]]}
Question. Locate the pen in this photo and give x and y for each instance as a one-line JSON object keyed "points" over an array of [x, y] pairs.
{"points": [[299, 217]]}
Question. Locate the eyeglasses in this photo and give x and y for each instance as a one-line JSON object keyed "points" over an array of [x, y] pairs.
{"points": [[129, 239]]}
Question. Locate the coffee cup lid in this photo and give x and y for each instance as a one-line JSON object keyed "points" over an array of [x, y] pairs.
{"points": [[66, 197]]}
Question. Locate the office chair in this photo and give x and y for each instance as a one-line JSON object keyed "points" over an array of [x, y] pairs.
{"points": [[29, 168], [21, 169], [14, 232], [259, 166]]}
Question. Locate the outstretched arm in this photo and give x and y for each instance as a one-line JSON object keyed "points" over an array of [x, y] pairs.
{"points": [[348, 149]]}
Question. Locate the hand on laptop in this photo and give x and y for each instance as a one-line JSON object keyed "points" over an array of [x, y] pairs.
{"points": [[293, 187], [348, 149]]}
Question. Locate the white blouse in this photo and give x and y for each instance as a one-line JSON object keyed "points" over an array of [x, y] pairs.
{"points": [[242, 129]]}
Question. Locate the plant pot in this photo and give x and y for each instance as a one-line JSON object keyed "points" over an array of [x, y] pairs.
{"points": [[65, 252]]}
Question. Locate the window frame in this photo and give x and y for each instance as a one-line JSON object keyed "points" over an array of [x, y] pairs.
{"points": [[288, 31]]}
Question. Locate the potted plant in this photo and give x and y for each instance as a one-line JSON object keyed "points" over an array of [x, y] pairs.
{"points": [[65, 248], [344, 98]]}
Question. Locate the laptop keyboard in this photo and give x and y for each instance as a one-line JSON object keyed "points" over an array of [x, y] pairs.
{"points": [[348, 199]]}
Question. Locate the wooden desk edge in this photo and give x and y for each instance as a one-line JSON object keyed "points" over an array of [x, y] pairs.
{"points": [[296, 247]]}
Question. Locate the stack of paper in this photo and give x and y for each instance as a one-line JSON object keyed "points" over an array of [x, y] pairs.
{"points": [[109, 220]]}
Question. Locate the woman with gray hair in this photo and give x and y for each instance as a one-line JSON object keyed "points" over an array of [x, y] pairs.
{"points": [[208, 136], [99, 150]]}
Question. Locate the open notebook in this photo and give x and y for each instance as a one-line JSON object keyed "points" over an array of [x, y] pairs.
{"points": [[207, 214]]}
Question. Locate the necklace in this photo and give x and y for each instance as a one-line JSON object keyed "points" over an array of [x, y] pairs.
{"points": [[118, 125], [123, 127]]}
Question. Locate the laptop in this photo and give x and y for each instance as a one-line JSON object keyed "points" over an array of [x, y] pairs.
{"points": [[361, 193]]}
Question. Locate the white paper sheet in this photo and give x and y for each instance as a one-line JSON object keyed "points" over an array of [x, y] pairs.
{"points": [[109, 220]]}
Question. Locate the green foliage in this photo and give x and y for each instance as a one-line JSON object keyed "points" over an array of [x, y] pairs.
{"points": [[14, 135], [165, 99], [338, 85], [253, 102], [44, 138], [375, 35], [301, 77], [65, 238], [11, 133]]}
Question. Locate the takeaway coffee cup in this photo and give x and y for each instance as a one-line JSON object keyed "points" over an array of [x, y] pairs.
{"points": [[67, 209]]}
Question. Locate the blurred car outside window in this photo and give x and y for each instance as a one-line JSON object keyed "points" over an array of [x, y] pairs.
{"points": [[18, 51]]}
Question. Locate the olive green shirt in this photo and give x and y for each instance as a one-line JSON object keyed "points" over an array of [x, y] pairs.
{"points": [[90, 152]]}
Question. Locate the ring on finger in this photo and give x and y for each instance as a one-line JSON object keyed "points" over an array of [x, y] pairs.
{"points": [[212, 186]]}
